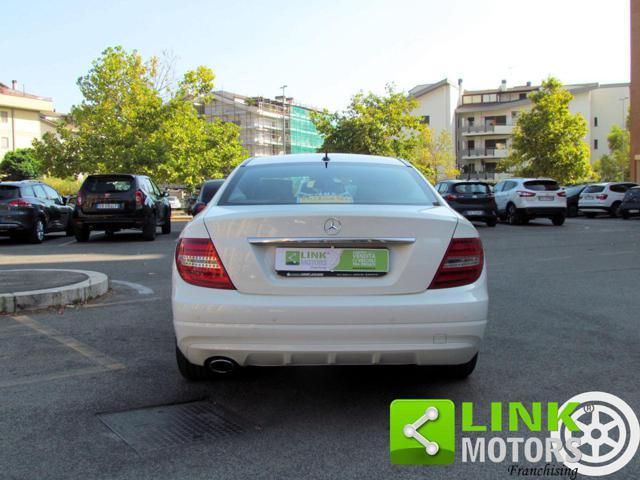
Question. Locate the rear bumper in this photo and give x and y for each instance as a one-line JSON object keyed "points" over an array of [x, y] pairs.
{"points": [[15, 222], [594, 208], [13, 227], [435, 327], [97, 222], [542, 211]]}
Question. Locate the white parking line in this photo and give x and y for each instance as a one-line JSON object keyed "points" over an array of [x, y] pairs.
{"points": [[624, 252], [66, 243], [141, 289]]}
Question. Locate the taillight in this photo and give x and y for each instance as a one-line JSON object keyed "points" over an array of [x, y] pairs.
{"points": [[139, 198], [461, 265], [19, 203], [562, 194], [602, 196], [198, 208], [522, 193], [79, 199], [450, 196], [198, 263]]}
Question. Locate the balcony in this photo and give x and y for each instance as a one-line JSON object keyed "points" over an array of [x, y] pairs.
{"points": [[474, 130], [473, 153]]}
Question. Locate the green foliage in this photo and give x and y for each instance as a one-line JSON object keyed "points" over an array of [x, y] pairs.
{"points": [[548, 140], [130, 120], [373, 124], [20, 164], [614, 166], [64, 186], [434, 157]]}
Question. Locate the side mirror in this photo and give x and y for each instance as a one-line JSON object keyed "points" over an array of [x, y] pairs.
{"points": [[65, 199]]}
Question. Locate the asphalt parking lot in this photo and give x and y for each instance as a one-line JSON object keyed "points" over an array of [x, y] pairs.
{"points": [[563, 320]]}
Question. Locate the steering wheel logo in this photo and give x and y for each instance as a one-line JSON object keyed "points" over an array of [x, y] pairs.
{"points": [[609, 433]]}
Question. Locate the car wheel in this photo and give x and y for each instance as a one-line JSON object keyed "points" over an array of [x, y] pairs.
{"points": [[149, 229], [558, 220], [69, 231], [36, 235], [614, 212], [461, 371], [188, 370], [82, 234], [512, 215], [589, 214], [166, 226]]}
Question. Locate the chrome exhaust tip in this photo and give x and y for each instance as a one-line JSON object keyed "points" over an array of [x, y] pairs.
{"points": [[220, 365]]}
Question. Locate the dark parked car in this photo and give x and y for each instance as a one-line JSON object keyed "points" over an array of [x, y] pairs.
{"points": [[631, 203], [113, 202], [473, 199], [207, 191], [30, 209], [573, 195]]}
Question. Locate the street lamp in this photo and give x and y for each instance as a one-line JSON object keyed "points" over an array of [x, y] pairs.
{"points": [[284, 121]]}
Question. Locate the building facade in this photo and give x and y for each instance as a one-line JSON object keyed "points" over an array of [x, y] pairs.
{"points": [[23, 118], [635, 91], [267, 126], [437, 103]]}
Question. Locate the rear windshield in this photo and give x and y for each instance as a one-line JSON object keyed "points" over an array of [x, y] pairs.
{"points": [[209, 189], [472, 188], [107, 184], [8, 192], [542, 185], [633, 193], [313, 183], [593, 189]]}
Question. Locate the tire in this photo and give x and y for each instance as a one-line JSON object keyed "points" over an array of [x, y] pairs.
{"points": [[82, 234], [191, 372], [492, 223], [614, 211], [69, 231], [590, 215], [461, 371], [36, 234], [166, 226], [150, 228], [558, 220], [512, 215]]}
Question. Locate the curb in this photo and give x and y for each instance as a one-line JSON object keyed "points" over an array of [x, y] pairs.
{"points": [[97, 284]]}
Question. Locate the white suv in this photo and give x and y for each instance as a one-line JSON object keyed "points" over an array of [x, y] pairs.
{"points": [[603, 198], [521, 199]]}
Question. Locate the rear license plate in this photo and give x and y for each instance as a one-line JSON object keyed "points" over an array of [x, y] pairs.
{"points": [[108, 206], [588, 197], [332, 261], [475, 212], [545, 199], [634, 210]]}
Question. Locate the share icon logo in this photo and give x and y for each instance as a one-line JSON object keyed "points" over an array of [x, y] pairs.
{"points": [[422, 432]]}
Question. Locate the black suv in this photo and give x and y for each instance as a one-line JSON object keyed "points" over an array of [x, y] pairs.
{"points": [[630, 203], [472, 199], [29, 209], [207, 191], [116, 201]]}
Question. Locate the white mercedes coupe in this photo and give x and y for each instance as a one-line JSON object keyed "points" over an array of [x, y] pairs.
{"points": [[325, 259]]}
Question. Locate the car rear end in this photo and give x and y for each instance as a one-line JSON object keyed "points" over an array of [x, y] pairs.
{"points": [[595, 199], [631, 203], [474, 200], [273, 275], [110, 202], [540, 198], [17, 213]]}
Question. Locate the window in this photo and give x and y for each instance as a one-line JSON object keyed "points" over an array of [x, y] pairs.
{"points": [[595, 121], [509, 186], [593, 189], [4, 142], [498, 187], [489, 98], [4, 116], [107, 184], [52, 194], [339, 183], [425, 119], [7, 192], [595, 144], [27, 191], [39, 191], [523, 96], [472, 188], [542, 185]]}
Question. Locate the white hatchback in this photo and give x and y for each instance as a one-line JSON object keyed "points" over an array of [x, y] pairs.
{"points": [[603, 198], [314, 260], [519, 200]]}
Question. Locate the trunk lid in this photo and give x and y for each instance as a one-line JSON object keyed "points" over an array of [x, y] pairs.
{"points": [[246, 238]]}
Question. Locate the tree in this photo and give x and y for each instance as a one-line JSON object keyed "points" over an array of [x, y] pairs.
{"points": [[372, 124], [434, 155], [614, 166], [132, 119], [20, 164], [548, 141]]}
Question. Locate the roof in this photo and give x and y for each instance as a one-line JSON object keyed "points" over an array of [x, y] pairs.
{"points": [[6, 90], [317, 157], [420, 90], [18, 183]]}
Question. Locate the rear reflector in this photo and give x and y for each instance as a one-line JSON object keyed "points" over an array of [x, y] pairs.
{"points": [[562, 194], [198, 263], [462, 264]]}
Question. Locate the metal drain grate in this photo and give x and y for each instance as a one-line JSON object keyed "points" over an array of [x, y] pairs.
{"points": [[173, 425]]}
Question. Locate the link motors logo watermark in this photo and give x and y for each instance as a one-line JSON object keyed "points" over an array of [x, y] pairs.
{"points": [[594, 434]]}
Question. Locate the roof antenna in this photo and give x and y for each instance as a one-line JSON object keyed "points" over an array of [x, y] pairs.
{"points": [[325, 159]]}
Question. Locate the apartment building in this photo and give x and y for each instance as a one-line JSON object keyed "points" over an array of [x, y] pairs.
{"points": [[23, 118], [267, 126], [485, 121], [437, 103]]}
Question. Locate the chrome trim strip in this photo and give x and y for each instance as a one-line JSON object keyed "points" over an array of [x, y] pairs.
{"points": [[330, 240]]}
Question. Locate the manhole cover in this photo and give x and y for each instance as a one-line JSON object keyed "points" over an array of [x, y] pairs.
{"points": [[171, 425]]}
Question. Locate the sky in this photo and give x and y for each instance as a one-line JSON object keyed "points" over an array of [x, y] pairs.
{"points": [[323, 50]]}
